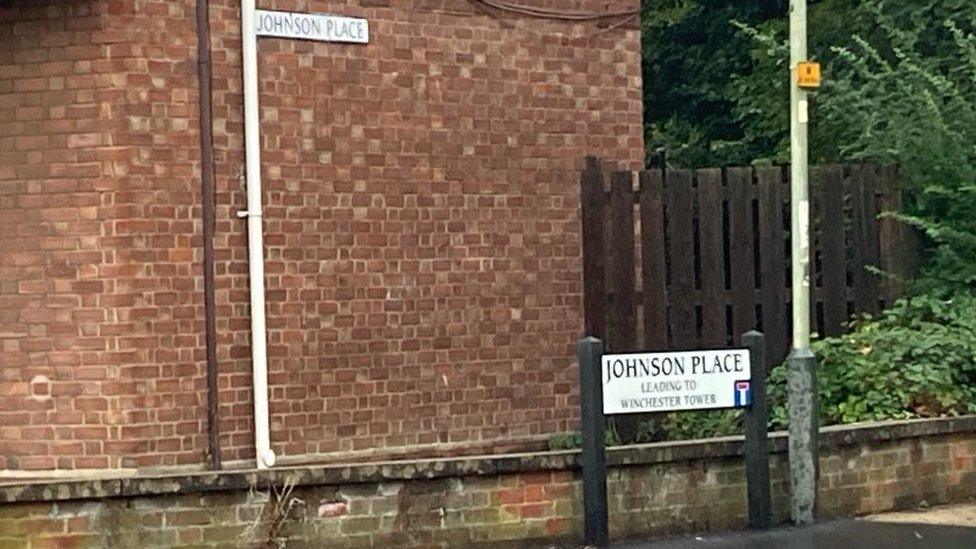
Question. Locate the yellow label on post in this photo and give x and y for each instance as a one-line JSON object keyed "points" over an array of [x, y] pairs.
{"points": [[808, 74]]}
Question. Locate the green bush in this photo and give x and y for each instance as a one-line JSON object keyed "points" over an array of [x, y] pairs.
{"points": [[904, 102], [900, 103], [915, 360], [574, 439], [904, 93]]}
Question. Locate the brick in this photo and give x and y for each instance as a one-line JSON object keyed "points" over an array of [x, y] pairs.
{"points": [[405, 250]]}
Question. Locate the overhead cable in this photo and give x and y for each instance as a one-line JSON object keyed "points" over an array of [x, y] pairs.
{"points": [[553, 14]]}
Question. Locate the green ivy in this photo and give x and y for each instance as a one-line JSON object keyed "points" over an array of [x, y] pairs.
{"points": [[902, 92], [917, 359], [574, 439]]}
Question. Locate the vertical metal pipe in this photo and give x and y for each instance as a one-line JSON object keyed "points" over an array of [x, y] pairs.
{"points": [[264, 457], [799, 177], [205, 104]]}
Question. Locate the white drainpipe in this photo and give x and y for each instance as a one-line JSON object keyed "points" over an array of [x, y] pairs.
{"points": [[264, 456]]}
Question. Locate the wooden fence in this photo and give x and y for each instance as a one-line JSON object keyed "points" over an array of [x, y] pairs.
{"points": [[679, 259]]}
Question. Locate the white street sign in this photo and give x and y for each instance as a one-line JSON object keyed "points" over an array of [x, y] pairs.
{"points": [[311, 26], [664, 382]]}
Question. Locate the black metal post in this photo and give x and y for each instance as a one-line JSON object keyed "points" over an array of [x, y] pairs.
{"points": [[757, 436], [594, 461]]}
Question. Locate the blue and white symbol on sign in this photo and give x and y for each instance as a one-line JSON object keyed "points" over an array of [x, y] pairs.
{"points": [[743, 394]]}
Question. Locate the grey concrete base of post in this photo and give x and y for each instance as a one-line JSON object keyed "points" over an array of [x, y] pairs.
{"points": [[804, 407]]}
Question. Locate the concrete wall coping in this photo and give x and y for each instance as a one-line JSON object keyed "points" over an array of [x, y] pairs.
{"points": [[393, 471]]}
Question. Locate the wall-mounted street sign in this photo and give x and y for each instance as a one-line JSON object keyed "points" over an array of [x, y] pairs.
{"points": [[665, 382], [311, 26]]}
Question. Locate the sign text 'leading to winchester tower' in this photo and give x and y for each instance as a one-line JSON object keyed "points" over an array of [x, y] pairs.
{"points": [[660, 382]]}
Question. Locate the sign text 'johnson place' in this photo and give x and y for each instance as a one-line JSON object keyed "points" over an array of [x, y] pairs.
{"points": [[663, 382], [312, 26]]}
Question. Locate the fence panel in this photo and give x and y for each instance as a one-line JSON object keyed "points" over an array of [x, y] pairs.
{"points": [[775, 256], [653, 268], [833, 249], [623, 306], [681, 274], [899, 243], [865, 299], [869, 220], [712, 290], [741, 251], [706, 256]]}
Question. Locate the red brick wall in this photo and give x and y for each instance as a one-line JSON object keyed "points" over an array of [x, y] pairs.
{"points": [[421, 220], [100, 299], [663, 490]]}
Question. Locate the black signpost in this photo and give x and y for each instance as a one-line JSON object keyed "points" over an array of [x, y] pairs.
{"points": [[596, 529], [757, 436], [593, 420]]}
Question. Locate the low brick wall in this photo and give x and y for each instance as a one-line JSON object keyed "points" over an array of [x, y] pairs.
{"points": [[654, 490]]}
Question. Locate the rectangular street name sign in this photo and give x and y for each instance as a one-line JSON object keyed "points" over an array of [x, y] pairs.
{"points": [[671, 381], [311, 26]]}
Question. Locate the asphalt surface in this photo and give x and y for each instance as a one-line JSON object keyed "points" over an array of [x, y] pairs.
{"points": [[945, 527], [940, 528], [846, 534]]}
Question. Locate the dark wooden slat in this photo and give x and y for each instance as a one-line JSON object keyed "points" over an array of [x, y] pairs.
{"points": [[859, 178], [816, 249], [712, 263], [833, 249], [652, 260], [871, 255], [623, 308], [890, 256], [681, 256], [853, 181], [899, 246], [593, 201], [787, 192], [741, 239], [774, 258]]}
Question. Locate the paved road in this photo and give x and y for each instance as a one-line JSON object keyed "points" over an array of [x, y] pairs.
{"points": [[941, 528]]}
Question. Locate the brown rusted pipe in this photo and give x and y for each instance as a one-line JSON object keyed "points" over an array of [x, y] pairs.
{"points": [[204, 74]]}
